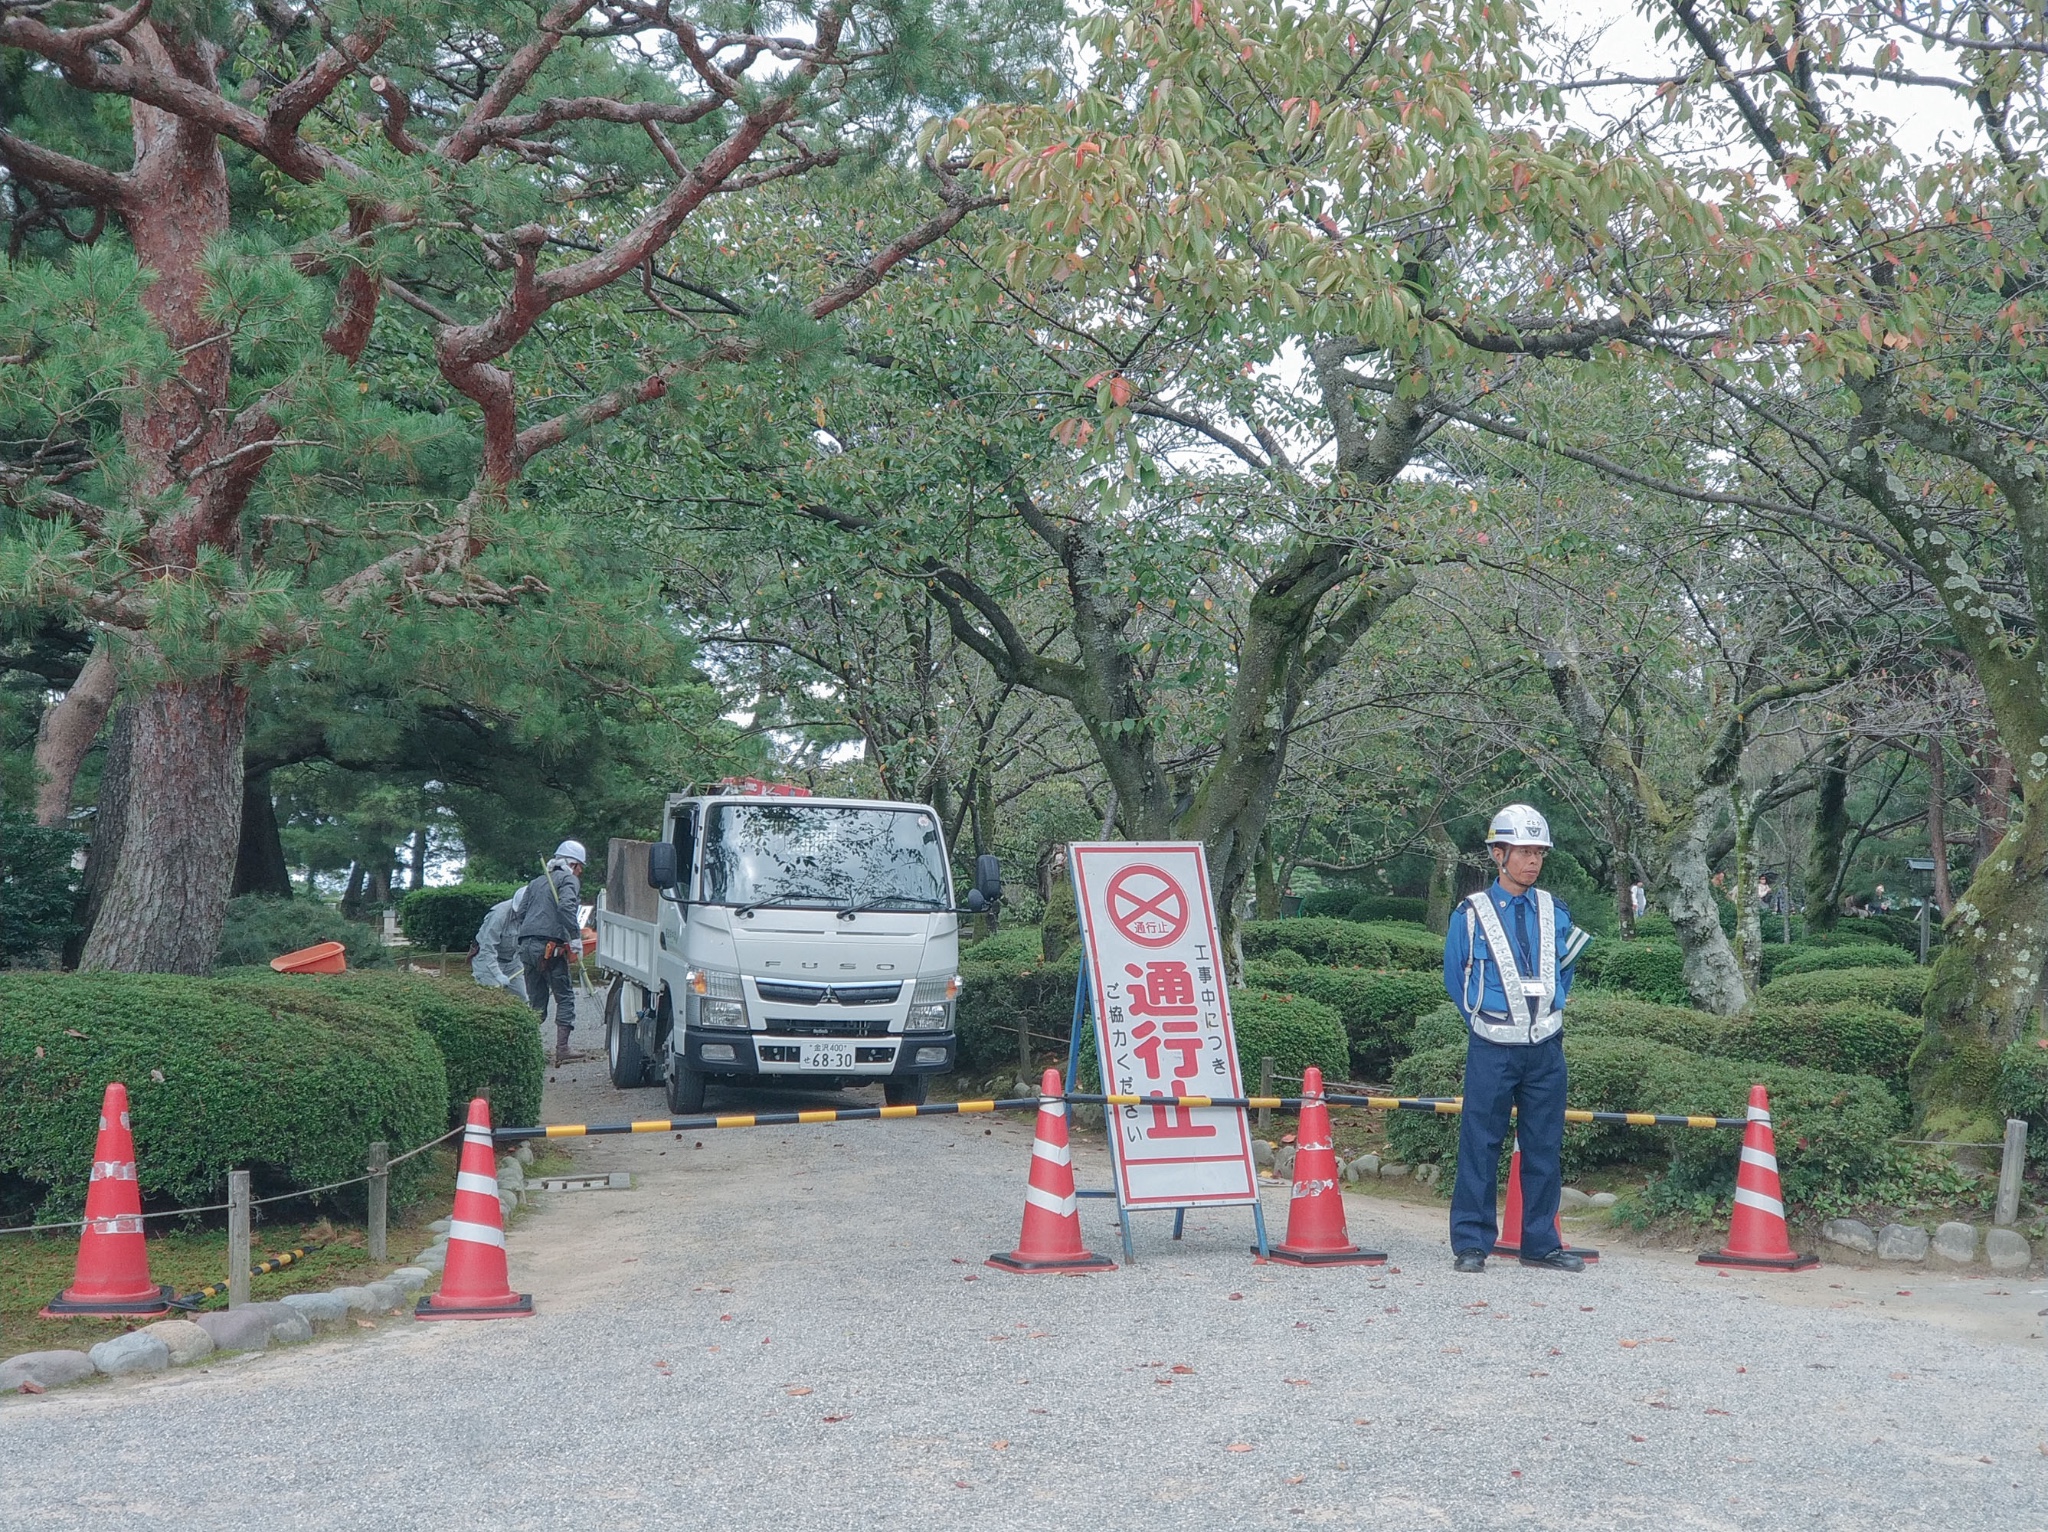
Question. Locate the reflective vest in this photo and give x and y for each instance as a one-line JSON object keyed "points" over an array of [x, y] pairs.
{"points": [[1539, 1016]]}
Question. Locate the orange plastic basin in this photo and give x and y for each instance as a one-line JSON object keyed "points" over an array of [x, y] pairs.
{"points": [[326, 957]]}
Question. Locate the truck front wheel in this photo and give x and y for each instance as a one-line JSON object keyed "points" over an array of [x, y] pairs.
{"points": [[909, 1090], [622, 1040], [685, 1088]]}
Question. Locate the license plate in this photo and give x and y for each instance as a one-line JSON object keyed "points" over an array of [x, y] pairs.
{"points": [[825, 1056]]}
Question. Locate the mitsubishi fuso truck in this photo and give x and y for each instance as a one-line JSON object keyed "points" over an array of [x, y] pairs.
{"points": [[773, 936]]}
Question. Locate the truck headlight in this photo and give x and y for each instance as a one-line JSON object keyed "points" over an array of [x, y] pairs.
{"points": [[931, 1004], [721, 1001]]}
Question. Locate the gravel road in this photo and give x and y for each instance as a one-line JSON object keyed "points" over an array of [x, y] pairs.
{"points": [[792, 1328]]}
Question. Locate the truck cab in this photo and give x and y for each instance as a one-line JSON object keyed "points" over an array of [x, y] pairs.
{"points": [[774, 935]]}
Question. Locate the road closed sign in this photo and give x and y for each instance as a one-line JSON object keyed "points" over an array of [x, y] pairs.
{"points": [[1162, 1022]]}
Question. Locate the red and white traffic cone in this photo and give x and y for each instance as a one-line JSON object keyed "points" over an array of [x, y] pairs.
{"points": [[1051, 1240], [1757, 1236], [474, 1283], [1315, 1217], [112, 1275], [1510, 1240]]}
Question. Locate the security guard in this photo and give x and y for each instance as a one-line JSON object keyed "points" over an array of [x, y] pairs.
{"points": [[1508, 967]]}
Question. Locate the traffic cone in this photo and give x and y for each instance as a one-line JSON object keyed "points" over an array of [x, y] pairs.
{"points": [[1756, 1235], [112, 1275], [1052, 1224], [1315, 1217], [1510, 1240], [474, 1283]]}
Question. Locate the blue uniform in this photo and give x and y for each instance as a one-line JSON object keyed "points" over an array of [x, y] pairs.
{"points": [[1528, 1076]]}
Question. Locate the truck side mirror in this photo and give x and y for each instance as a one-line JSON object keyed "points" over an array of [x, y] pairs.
{"points": [[974, 903], [661, 865], [988, 878]]}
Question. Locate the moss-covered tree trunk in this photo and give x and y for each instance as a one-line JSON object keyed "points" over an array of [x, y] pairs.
{"points": [[1749, 927], [1443, 877], [1830, 834]]}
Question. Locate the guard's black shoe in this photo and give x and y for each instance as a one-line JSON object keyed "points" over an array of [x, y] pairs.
{"points": [[1471, 1260], [1557, 1260]]}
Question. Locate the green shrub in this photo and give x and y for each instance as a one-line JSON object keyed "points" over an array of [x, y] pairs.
{"points": [[446, 919], [2023, 1092], [1898, 989], [38, 890], [994, 995], [1285, 957], [1648, 966], [1012, 944], [489, 1040], [1377, 1007], [1324, 939], [221, 1075], [1389, 907], [1653, 925], [1823, 959], [1848, 1037], [1411, 946], [262, 926], [1615, 1013], [1442, 1027], [1329, 902], [1295, 1031], [1831, 1129]]}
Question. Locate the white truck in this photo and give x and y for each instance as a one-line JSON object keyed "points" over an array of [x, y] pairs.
{"points": [[774, 936]]}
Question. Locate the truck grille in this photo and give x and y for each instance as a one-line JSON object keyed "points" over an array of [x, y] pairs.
{"points": [[829, 1026], [781, 992]]}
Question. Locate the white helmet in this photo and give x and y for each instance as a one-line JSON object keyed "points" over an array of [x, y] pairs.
{"points": [[572, 850], [1518, 825]]}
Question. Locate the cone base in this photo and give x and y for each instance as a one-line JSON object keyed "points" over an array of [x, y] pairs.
{"points": [[157, 1301], [1349, 1255], [1017, 1260], [1583, 1252], [1794, 1262], [510, 1306]]}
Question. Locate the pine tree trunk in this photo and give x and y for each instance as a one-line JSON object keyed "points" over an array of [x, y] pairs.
{"points": [[416, 872], [1685, 885], [259, 859], [352, 895], [1824, 845], [165, 902]]}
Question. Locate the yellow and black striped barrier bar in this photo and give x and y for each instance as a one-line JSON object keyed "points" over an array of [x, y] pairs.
{"points": [[710, 1121], [262, 1269]]}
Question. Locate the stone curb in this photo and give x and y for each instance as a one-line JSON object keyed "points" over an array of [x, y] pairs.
{"points": [[1954, 1245]]}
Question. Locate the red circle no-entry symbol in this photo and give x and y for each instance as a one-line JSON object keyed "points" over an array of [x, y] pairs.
{"points": [[1148, 906]]}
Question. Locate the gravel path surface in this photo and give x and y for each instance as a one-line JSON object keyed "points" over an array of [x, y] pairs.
{"points": [[792, 1328]]}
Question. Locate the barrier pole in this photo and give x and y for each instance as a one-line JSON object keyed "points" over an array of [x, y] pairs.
{"points": [[238, 1238], [379, 1167], [1265, 1089]]}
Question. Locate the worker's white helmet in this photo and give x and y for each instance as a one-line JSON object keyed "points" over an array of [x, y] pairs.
{"points": [[572, 850], [1518, 825]]}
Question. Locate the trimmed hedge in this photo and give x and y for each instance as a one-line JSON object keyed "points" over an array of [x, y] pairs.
{"points": [[1350, 904], [1648, 966], [1831, 1129], [1293, 1029], [2023, 1092], [1442, 1027], [221, 1074], [1848, 1037], [1898, 989], [1376, 1007], [1611, 1013], [446, 919], [1329, 903], [1347, 943], [262, 926], [1822, 959], [994, 994], [489, 1040]]}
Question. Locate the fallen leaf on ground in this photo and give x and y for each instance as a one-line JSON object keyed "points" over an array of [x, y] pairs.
{"points": [[833, 1420], [1629, 1345], [1716, 1412], [1635, 1438], [796, 1393], [1296, 1478], [1235, 1296], [367, 1324], [1001, 1446], [1182, 1368], [962, 1484], [30, 1386], [1239, 1447]]}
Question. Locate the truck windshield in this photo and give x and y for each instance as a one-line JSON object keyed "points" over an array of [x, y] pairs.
{"points": [[818, 855]]}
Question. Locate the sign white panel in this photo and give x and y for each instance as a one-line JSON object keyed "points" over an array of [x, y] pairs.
{"points": [[1162, 1022]]}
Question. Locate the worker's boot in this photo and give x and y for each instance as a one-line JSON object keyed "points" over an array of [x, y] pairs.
{"points": [[561, 1045]]}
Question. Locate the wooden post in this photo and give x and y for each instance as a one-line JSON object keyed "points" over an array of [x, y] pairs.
{"points": [[1024, 1046], [238, 1238], [2009, 1171], [1265, 1089], [379, 1167]]}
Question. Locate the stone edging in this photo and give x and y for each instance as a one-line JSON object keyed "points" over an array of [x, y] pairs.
{"points": [[1954, 1243], [180, 1341]]}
